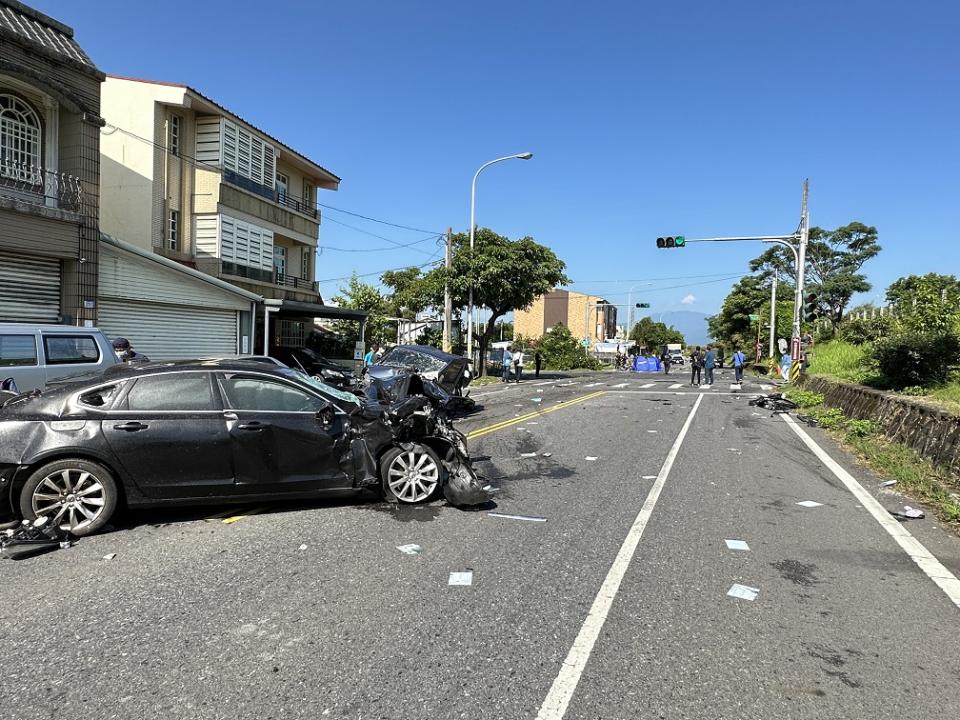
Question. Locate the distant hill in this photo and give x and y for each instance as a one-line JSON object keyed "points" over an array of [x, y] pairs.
{"points": [[692, 324]]}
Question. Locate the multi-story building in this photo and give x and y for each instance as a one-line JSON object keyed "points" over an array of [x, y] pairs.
{"points": [[185, 178], [586, 316], [49, 171]]}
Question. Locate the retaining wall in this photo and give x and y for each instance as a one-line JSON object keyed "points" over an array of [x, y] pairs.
{"points": [[932, 432]]}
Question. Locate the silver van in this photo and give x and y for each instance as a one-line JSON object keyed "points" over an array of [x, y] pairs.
{"points": [[35, 356]]}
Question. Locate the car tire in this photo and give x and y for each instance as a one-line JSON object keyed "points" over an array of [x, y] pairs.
{"points": [[411, 476], [49, 491]]}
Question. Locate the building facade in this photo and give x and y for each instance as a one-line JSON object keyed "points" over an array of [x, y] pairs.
{"points": [[49, 171], [586, 316]]}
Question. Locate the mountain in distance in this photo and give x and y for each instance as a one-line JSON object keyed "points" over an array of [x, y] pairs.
{"points": [[692, 324]]}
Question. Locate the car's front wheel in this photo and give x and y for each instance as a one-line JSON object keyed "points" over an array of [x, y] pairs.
{"points": [[76, 495], [410, 476]]}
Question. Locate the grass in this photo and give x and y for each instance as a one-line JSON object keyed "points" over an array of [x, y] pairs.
{"points": [[916, 476]]}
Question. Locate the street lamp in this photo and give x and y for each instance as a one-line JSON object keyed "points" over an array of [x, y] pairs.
{"points": [[473, 212]]}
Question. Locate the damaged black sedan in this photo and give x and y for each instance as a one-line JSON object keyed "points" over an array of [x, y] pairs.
{"points": [[214, 431]]}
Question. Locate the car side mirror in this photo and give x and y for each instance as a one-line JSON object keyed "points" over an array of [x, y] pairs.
{"points": [[326, 414]]}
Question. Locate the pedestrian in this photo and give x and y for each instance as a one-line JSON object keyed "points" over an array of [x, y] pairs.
{"points": [[538, 362], [518, 360], [665, 359], [739, 360], [506, 361], [696, 362], [372, 355], [709, 362], [125, 353]]}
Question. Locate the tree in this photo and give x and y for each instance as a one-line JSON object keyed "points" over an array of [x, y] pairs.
{"points": [[732, 324], [358, 295], [507, 275], [928, 302], [653, 335], [562, 351]]}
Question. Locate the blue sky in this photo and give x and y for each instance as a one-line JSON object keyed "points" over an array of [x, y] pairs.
{"points": [[645, 118]]}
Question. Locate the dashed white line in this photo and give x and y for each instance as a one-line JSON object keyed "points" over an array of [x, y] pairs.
{"points": [[554, 706], [592, 384], [924, 559], [675, 386], [648, 385], [621, 385]]}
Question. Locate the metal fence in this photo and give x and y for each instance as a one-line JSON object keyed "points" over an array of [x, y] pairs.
{"points": [[38, 186]]}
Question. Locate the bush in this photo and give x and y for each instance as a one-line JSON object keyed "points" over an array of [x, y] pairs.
{"points": [[805, 398], [830, 418], [860, 332], [862, 428], [910, 358], [561, 351]]}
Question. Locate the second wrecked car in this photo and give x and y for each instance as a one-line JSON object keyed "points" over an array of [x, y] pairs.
{"points": [[214, 431]]}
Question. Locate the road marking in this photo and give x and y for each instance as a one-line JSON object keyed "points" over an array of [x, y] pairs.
{"points": [[592, 384], [554, 706], [237, 518], [924, 559], [545, 382], [648, 385], [621, 385], [675, 386], [529, 416]]}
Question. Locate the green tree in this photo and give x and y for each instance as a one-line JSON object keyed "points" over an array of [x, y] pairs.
{"points": [[507, 275], [652, 335], [732, 325], [562, 351], [928, 302], [358, 295]]}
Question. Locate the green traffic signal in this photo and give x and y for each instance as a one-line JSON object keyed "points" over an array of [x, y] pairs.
{"points": [[671, 242], [680, 241]]}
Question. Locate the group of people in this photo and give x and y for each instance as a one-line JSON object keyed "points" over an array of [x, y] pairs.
{"points": [[516, 359], [706, 362]]}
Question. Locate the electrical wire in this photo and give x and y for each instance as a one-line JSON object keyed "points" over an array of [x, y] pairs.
{"points": [[675, 277], [381, 272], [386, 239]]}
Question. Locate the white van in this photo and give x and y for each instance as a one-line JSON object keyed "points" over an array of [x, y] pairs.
{"points": [[34, 356]]}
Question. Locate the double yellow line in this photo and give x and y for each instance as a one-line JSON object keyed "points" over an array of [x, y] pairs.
{"points": [[530, 416]]}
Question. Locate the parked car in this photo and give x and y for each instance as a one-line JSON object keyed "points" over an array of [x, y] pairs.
{"points": [[313, 363], [223, 430], [35, 356], [450, 372], [676, 358]]}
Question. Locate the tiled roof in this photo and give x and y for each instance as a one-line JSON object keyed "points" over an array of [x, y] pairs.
{"points": [[44, 31]]}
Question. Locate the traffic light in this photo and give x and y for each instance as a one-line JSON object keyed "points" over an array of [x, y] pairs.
{"points": [[643, 305], [810, 308], [670, 242]]}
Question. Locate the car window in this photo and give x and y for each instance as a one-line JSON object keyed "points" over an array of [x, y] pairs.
{"points": [[401, 357], [18, 350], [184, 392], [250, 393], [71, 349], [100, 397]]}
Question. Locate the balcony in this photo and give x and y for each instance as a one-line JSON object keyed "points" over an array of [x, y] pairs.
{"points": [[280, 198], [270, 277], [37, 186]]}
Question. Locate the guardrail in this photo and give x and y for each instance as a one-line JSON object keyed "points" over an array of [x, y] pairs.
{"points": [[284, 199]]}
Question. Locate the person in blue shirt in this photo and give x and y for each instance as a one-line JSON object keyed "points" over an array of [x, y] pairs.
{"points": [[371, 354], [709, 362], [507, 360], [739, 360]]}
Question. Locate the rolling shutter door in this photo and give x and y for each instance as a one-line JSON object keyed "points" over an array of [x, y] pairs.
{"points": [[29, 289], [170, 332]]}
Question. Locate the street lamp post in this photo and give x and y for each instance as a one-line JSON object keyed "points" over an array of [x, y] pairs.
{"points": [[473, 213]]}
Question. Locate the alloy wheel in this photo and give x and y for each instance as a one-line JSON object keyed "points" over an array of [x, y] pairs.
{"points": [[413, 476], [71, 498]]}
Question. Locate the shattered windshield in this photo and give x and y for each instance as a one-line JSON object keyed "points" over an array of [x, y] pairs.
{"points": [[326, 389], [402, 357]]}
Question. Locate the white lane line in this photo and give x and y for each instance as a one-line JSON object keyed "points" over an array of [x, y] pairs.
{"points": [[592, 384], [644, 387], [675, 386], [924, 559], [554, 706], [621, 385], [545, 382]]}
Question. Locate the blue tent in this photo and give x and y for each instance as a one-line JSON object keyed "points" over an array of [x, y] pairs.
{"points": [[646, 364]]}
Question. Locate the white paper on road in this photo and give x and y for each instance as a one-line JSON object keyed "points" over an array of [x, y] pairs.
{"points": [[529, 518], [591, 458], [888, 483], [744, 592], [528, 454], [302, 547], [536, 400], [651, 431], [461, 578], [737, 545], [809, 503], [410, 549], [548, 454], [649, 477]]}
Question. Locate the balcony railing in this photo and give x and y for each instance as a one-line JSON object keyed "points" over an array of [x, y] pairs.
{"points": [[281, 198], [270, 276], [37, 186]]}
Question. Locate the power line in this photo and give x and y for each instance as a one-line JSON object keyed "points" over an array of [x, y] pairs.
{"points": [[386, 239], [380, 272], [382, 222], [639, 293], [676, 277]]}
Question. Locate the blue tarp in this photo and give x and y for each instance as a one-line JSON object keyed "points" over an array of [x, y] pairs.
{"points": [[646, 364]]}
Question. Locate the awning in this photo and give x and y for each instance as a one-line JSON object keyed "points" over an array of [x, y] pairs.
{"points": [[293, 308]]}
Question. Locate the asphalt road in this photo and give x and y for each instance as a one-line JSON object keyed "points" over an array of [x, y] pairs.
{"points": [[609, 600]]}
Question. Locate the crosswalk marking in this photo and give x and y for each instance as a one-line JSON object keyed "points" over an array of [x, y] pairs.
{"points": [[621, 385], [646, 386], [675, 386]]}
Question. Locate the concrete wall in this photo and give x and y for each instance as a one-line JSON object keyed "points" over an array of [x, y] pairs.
{"points": [[570, 308], [933, 433]]}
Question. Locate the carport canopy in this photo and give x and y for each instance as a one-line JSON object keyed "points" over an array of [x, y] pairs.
{"points": [[297, 309]]}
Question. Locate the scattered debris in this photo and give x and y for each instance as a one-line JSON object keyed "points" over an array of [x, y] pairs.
{"points": [[302, 547], [591, 458], [808, 420], [548, 454], [109, 556], [649, 477], [528, 455], [888, 483], [908, 513], [536, 400], [461, 578], [776, 402], [34, 538], [651, 431], [736, 450], [409, 549], [809, 504], [737, 545], [530, 518], [743, 592]]}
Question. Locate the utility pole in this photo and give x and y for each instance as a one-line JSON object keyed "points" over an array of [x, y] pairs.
{"points": [[773, 311], [801, 259], [447, 301]]}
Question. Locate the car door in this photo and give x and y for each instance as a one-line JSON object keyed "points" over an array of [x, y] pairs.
{"points": [[279, 443], [19, 359], [169, 434]]}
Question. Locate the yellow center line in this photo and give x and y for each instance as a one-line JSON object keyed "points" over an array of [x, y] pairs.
{"points": [[236, 518], [529, 416]]}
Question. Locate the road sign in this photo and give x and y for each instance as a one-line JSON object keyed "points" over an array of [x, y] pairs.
{"points": [[585, 342], [358, 350], [754, 318]]}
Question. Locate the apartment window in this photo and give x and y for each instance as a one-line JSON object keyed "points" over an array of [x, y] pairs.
{"points": [[20, 140], [283, 185], [173, 230], [248, 155], [306, 256], [309, 196], [173, 142]]}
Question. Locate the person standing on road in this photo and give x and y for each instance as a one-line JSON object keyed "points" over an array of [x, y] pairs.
{"points": [[665, 359], [371, 355], [709, 362], [506, 361], [696, 362], [518, 363], [537, 362], [739, 360]]}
